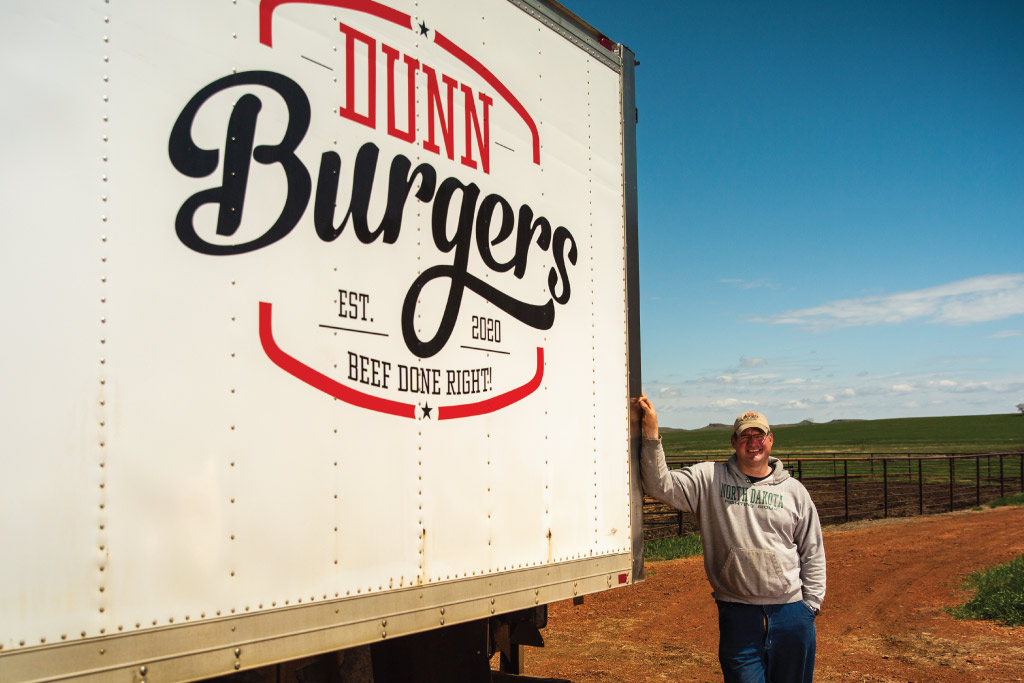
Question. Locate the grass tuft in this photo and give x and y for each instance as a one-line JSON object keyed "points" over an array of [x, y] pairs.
{"points": [[1000, 595], [1015, 499], [673, 548]]}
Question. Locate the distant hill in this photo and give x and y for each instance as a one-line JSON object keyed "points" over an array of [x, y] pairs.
{"points": [[712, 426], [801, 423], [955, 434], [715, 426]]}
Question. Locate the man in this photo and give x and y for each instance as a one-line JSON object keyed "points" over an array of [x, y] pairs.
{"points": [[763, 551]]}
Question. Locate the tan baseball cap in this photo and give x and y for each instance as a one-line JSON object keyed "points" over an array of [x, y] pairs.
{"points": [[750, 419]]}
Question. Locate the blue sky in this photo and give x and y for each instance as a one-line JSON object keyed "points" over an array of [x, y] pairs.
{"points": [[831, 206]]}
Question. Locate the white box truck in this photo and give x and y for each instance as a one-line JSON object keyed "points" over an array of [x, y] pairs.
{"points": [[321, 328]]}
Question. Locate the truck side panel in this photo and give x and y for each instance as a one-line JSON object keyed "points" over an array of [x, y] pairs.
{"points": [[318, 327]]}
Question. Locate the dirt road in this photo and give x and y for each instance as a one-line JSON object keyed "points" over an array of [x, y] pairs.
{"points": [[884, 619]]}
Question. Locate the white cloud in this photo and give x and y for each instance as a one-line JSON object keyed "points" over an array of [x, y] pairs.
{"points": [[725, 379], [973, 387], [725, 403], [1007, 334], [751, 362], [975, 300], [697, 401]]}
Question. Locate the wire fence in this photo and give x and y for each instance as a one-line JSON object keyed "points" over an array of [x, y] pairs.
{"points": [[876, 485]]}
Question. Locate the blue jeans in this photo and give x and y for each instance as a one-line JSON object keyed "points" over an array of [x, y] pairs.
{"points": [[766, 643]]}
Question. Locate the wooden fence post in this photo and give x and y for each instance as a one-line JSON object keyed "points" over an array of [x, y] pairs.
{"points": [[951, 484], [1001, 493], [846, 485], [885, 487], [977, 479], [920, 487]]}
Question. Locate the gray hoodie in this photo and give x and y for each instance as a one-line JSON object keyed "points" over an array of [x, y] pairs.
{"points": [[762, 540]]}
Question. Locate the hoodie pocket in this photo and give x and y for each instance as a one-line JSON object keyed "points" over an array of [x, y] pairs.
{"points": [[753, 574]]}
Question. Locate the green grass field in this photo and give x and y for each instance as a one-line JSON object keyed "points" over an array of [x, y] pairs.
{"points": [[961, 434]]}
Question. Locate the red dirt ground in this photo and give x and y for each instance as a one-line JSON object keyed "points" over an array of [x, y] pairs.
{"points": [[884, 618]]}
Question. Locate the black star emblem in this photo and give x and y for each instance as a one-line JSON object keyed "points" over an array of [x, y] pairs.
{"points": [[426, 410], [423, 29]]}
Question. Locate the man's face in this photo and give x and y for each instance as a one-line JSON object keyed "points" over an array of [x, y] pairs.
{"points": [[752, 450]]}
